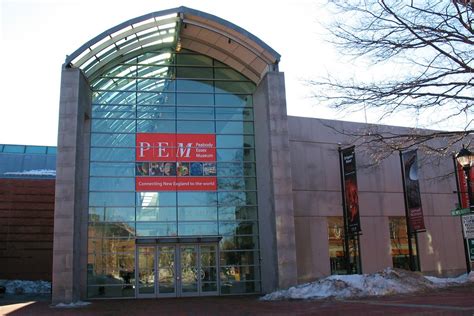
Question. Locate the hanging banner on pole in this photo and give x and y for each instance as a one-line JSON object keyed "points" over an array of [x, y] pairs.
{"points": [[412, 191], [463, 185], [350, 190]]}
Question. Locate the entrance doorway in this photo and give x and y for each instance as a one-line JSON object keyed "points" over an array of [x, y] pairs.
{"points": [[175, 270]]}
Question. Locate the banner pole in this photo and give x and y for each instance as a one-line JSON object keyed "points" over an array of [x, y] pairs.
{"points": [[346, 231], [409, 234]]}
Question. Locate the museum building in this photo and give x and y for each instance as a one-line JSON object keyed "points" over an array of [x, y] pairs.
{"points": [[179, 173]]}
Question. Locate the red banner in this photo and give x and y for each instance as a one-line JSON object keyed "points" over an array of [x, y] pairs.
{"points": [[463, 185], [176, 184], [175, 162]]}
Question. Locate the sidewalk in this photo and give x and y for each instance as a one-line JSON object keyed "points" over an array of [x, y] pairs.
{"points": [[452, 301]]}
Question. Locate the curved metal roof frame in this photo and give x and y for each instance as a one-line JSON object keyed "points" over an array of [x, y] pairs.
{"points": [[174, 28]]}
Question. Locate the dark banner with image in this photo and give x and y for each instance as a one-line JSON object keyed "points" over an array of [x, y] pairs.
{"points": [[350, 190], [412, 191]]}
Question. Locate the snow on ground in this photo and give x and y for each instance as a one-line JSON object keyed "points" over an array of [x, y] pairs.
{"points": [[386, 282], [72, 305], [36, 172], [26, 287]]}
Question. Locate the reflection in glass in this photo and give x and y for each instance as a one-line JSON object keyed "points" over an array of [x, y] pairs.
{"points": [[189, 269], [146, 270], [166, 269]]}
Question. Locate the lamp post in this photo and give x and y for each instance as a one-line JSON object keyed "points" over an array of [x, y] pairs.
{"points": [[466, 158]]}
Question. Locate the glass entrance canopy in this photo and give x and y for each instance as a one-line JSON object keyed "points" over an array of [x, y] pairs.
{"points": [[176, 28]]}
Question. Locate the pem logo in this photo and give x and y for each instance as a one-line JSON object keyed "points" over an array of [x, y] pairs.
{"points": [[175, 147]]}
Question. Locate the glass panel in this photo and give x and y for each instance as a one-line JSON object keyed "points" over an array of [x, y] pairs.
{"points": [[156, 112], [166, 270], [239, 258], [13, 149], [195, 86], [236, 169], [112, 247], [194, 99], [111, 184], [111, 230], [113, 140], [156, 229], [227, 73], [115, 98], [234, 184], [111, 269], [111, 199], [336, 245], [239, 242], [112, 169], [111, 214], [189, 269], [234, 114], [223, 127], [197, 213], [233, 100], [196, 198], [194, 72], [197, 228], [399, 242], [156, 126], [237, 198], [237, 212], [235, 87], [234, 141], [235, 155], [238, 228], [195, 127], [155, 85], [146, 270], [196, 113], [113, 126], [149, 199], [149, 98], [153, 214], [239, 273], [114, 115], [112, 154], [193, 60], [35, 150]]}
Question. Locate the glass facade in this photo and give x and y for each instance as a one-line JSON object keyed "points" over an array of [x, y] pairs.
{"points": [[171, 94]]}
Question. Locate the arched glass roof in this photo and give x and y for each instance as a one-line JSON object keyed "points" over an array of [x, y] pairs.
{"points": [[176, 28]]}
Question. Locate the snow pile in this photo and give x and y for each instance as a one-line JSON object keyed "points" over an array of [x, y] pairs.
{"points": [[26, 287], [72, 305], [36, 172], [386, 282]]}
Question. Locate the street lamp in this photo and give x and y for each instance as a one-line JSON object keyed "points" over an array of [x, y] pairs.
{"points": [[466, 158]]}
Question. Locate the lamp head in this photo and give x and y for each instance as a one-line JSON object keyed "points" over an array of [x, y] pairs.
{"points": [[465, 157]]}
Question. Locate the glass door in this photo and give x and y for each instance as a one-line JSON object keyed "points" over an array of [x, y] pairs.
{"points": [[177, 270], [166, 270], [189, 270], [146, 272]]}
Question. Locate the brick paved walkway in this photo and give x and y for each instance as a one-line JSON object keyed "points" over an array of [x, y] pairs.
{"points": [[453, 301]]}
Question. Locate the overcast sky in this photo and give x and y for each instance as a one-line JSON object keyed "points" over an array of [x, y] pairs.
{"points": [[37, 35]]}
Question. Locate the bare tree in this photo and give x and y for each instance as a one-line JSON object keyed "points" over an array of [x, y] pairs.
{"points": [[433, 44]]}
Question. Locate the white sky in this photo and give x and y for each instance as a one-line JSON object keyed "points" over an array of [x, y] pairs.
{"points": [[37, 35]]}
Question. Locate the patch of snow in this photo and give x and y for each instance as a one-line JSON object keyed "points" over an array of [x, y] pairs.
{"points": [[35, 172], [26, 287], [72, 305], [389, 281]]}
